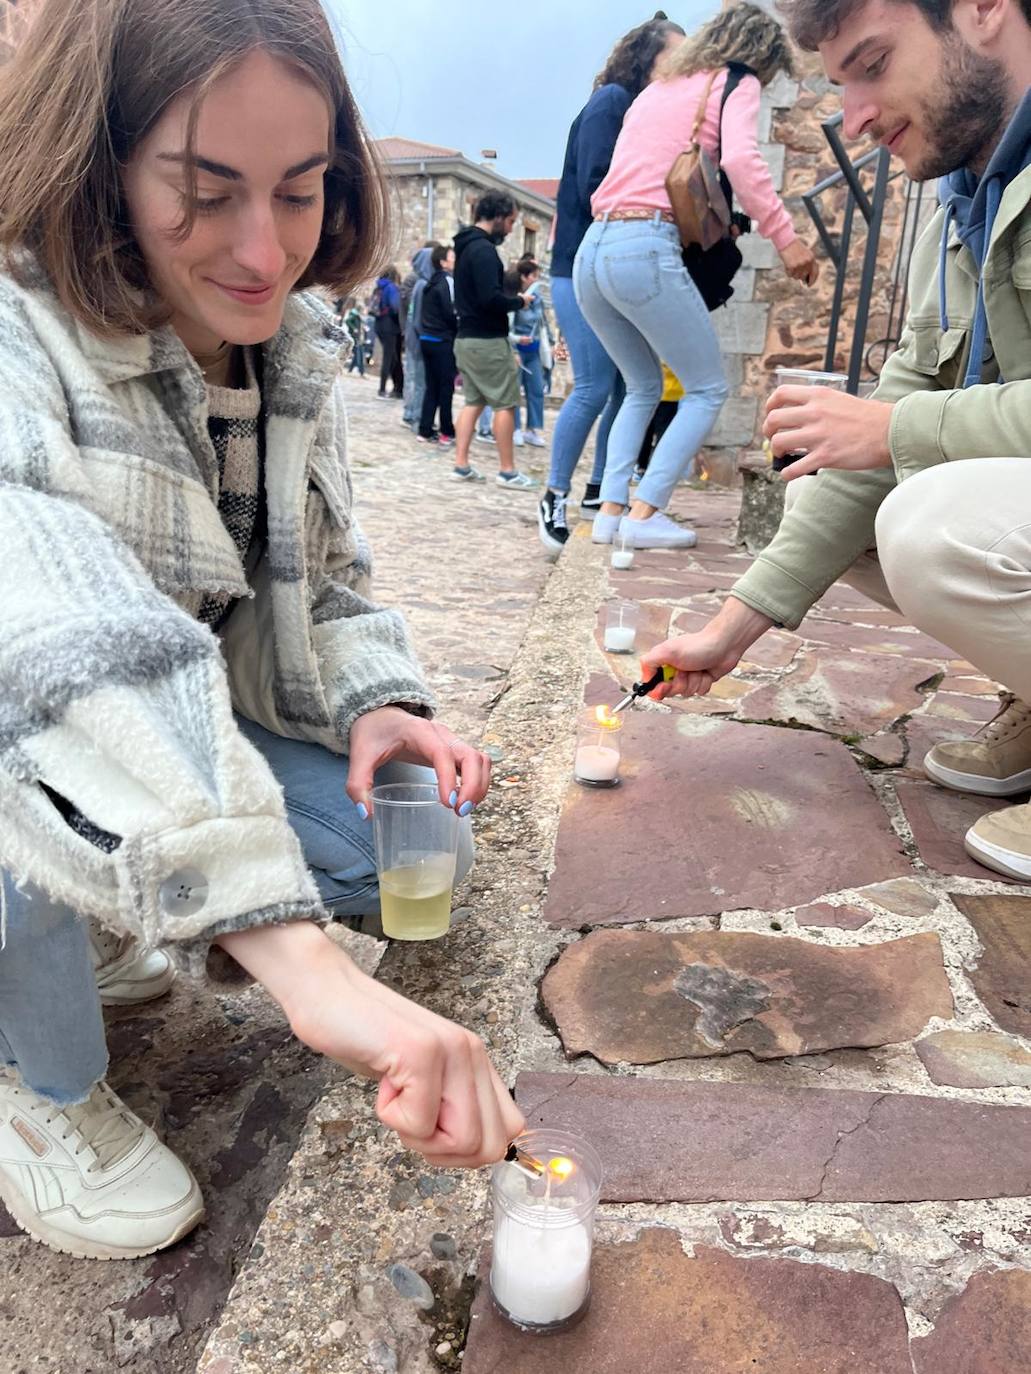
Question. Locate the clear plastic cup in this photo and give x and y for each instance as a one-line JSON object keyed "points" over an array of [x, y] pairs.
{"points": [[802, 376], [416, 840], [540, 1275]]}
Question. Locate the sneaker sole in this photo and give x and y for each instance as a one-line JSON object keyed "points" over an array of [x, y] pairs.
{"points": [[995, 857], [642, 543], [974, 782], [549, 541], [33, 1225]]}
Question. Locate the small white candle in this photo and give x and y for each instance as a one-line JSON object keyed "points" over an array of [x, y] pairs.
{"points": [[622, 558], [619, 639], [596, 763], [540, 1274]]}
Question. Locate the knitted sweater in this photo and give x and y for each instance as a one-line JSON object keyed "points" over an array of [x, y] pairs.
{"points": [[113, 697]]}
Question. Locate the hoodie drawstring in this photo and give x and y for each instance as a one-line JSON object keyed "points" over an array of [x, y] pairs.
{"points": [[979, 333], [943, 254]]}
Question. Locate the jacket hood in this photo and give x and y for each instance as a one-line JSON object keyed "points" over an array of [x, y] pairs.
{"points": [[466, 236], [422, 263], [971, 205]]}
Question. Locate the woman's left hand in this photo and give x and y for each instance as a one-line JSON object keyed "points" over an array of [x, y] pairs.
{"points": [[463, 773], [833, 428]]}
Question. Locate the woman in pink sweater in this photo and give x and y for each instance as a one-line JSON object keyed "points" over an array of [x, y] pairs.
{"points": [[629, 276]]}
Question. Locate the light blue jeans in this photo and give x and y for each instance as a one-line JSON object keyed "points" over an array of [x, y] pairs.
{"points": [[532, 377], [636, 295], [61, 1052], [597, 390], [415, 382]]}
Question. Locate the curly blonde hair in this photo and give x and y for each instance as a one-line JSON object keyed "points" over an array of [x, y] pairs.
{"points": [[744, 33]]}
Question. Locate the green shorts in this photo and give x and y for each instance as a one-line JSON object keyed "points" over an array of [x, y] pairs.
{"points": [[490, 373]]}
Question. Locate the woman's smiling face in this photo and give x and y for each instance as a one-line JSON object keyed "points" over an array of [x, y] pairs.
{"points": [[262, 142]]}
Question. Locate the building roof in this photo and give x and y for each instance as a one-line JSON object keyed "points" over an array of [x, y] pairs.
{"points": [[541, 186], [406, 148]]}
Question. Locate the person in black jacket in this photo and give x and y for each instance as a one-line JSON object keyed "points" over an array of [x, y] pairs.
{"points": [[386, 307], [438, 327], [490, 376]]}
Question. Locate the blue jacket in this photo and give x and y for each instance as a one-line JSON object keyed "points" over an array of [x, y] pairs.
{"points": [[589, 149]]}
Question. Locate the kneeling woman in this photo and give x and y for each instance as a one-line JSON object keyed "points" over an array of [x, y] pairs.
{"points": [[197, 691]]}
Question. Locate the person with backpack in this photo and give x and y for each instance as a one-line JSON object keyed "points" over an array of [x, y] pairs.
{"points": [[629, 273], [386, 307], [438, 327], [598, 389]]}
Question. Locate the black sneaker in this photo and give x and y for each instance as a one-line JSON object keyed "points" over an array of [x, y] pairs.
{"points": [[551, 521], [591, 497]]}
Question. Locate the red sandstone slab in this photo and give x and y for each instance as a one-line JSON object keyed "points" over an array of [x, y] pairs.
{"points": [[840, 917], [843, 693], [923, 732], [645, 585], [889, 640], [656, 1310], [977, 710], [939, 819], [713, 816], [663, 1141], [1002, 978], [638, 997], [986, 1329]]}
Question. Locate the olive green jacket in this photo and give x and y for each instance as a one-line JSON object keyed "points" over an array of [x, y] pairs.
{"points": [[933, 421]]}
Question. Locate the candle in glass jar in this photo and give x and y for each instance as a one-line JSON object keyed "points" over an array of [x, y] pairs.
{"points": [[541, 1273], [622, 551], [596, 763], [619, 639]]}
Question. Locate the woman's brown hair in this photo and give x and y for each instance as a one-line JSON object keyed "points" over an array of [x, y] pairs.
{"points": [[631, 61], [87, 83]]}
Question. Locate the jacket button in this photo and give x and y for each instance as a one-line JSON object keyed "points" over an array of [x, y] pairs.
{"points": [[183, 892]]}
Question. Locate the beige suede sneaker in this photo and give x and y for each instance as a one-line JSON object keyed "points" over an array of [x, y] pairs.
{"points": [[91, 1181], [995, 763], [1002, 840], [126, 974]]}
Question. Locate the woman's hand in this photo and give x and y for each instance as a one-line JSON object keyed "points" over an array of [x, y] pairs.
{"points": [[831, 428], [799, 262], [703, 658], [463, 773], [438, 1089]]}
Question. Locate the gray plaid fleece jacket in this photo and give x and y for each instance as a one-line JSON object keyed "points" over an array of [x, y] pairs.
{"points": [[111, 695]]}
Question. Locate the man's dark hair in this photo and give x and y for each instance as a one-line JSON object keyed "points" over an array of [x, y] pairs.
{"points": [[510, 281], [632, 59], [812, 22], [440, 252], [493, 205], [527, 265]]}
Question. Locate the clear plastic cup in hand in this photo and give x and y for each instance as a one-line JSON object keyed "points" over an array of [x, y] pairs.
{"points": [[803, 376], [416, 840]]}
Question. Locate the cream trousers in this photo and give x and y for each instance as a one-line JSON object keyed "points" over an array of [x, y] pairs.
{"points": [[953, 556]]}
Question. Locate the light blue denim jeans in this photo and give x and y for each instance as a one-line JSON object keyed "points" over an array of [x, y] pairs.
{"points": [[46, 963], [636, 295], [415, 383], [597, 390], [531, 376]]}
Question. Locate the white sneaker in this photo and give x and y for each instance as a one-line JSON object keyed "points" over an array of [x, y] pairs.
{"points": [[517, 438], [91, 1181], [659, 532], [518, 481], [603, 531], [124, 973], [535, 440]]}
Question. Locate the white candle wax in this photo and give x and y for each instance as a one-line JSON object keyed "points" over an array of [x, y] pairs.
{"points": [[622, 558], [596, 763], [619, 639], [540, 1274]]}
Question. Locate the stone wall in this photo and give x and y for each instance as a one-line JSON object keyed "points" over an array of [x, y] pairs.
{"points": [[453, 196]]}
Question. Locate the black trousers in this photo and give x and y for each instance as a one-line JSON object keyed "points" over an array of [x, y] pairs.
{"points": [[390, 366], [440, 387]]}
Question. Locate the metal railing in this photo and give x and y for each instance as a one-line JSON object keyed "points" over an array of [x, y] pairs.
{"points": [[869, 200]]}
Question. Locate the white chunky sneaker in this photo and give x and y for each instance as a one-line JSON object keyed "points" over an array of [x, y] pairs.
{"points": [[91, 1181], [125, 974], [658, 531]]}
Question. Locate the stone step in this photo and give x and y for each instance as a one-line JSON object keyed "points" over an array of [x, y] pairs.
{"points": [[663, 1141], [639, 997], [655, 1309]]}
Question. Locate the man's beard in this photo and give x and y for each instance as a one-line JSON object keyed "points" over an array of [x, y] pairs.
{"points": [[497, 237], [967, 114]]}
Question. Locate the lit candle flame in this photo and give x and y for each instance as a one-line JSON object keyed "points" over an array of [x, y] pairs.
{"points": [[606, 720], [561, 1168]]}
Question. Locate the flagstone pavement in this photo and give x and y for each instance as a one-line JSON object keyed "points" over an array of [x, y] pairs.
{"points": [[761, 977]]}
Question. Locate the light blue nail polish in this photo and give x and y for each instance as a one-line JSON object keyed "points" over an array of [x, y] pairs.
{"points": [[363, 812], [465, 808], [452, 799]]}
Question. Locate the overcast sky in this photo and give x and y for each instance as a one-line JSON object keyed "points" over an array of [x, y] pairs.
{"points": [[462, 76]]}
